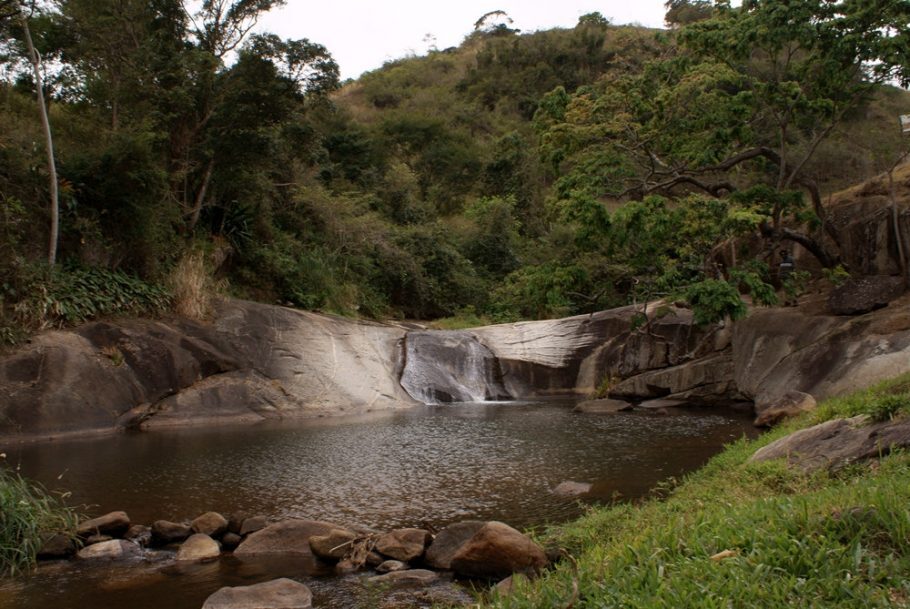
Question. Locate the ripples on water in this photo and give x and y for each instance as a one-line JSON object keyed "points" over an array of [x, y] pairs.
{"points": [[429, 466]]}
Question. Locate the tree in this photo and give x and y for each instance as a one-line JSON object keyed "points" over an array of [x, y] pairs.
{"points": [[7, 11], [684, 12]]}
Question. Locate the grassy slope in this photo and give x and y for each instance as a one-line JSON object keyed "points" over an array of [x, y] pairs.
{"points": [[796, 539]]}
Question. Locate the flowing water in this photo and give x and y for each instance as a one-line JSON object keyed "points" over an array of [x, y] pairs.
{"points": [[429, 466]]}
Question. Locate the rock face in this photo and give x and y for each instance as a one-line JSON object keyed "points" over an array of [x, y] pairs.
{"points": [[864, 294], [835, 444], [253, 362], [287, 537], [277, 594], [496, 551]]}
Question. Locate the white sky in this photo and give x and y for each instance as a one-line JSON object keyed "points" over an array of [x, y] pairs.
{"points": [[363, 34]]}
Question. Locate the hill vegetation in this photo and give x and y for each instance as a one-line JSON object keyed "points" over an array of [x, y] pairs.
{"points": [[515, 176]]}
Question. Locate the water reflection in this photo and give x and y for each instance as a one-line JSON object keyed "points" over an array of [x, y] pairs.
{"points": [[433, 465]]}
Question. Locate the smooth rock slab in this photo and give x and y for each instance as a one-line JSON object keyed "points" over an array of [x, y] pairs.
{"points": [[198, 548], [604, 406], [115, 549], [403, 544], [838, 443], [496, 551], [286, 537], [410, 577], [448, 541], [277, 594], [570, 488], [114, 524]]}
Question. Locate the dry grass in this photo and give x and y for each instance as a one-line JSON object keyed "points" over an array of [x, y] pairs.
{"points": [[192, 286]]}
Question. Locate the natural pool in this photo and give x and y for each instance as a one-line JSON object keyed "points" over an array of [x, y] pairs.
{"points": [[427, 467]]}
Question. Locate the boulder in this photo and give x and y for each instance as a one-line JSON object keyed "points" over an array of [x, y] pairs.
{"points": [[230, 541], [390, 566], [277, 594], [165, 532], [115, 549], [496, 551], [198, 548], [507, 586], [447, 542], [235, 522], [404, 544], [114, 524], [791, 404], [602, 406], [410, 577], [835, 444], [251, 525], [139, 533], [334, 545], [212, 524], [93, 539], [57, 546], [864, 294], [286, 537], [572, 489]]}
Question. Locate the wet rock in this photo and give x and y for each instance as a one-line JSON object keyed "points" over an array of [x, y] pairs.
{"points": [[235, 522], [791, 404], [390, 566], [115, 549], [440, 553], [334, 545], [165, 532], [410, 577], [662, 403], [572, 489], [864, 294], [496, 551], [251, 525], [93, 539], [198, 548], [277, 594], [374, 559], [286, 537], [212, 524], [834, 444], [57, 546], [404, 544], [139, 533], [705, 381], [603, 406], [346, 567], [230, 541], [114, 524]]}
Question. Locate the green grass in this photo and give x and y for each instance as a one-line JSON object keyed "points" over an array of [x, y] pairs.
{"points": [[28, 515], [797, 540]]}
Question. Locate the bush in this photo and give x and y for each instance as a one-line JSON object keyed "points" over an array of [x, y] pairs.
{"points": [[28, 515]]}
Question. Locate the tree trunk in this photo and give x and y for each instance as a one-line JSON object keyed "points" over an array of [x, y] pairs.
{"points": [[49, 143]]}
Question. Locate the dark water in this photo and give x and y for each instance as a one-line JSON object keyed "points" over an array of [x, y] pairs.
{"points": [[425, 467]]}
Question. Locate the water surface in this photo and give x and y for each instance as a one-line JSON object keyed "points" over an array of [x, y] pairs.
{"points": [[424, 467]]}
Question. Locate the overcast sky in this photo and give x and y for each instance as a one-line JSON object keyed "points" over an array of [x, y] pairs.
{"points": [[363, 34]]}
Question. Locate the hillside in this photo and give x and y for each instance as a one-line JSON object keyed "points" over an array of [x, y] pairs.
{"points": [[515, 176]]}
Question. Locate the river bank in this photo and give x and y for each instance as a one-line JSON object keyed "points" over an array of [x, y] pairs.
{"points": [[749, 533]]}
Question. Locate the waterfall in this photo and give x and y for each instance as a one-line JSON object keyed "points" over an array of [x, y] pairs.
{"points": [[450, 366]]}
